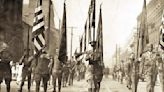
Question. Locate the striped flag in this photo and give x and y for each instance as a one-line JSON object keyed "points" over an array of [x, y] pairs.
{"points": [[38, 36], [161, 40]]}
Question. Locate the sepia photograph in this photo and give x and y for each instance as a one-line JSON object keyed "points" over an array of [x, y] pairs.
{"points": [[81, 45]]}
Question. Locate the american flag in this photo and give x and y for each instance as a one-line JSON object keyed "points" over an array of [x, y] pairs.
{"points": [[161, 40], [38, 29]]}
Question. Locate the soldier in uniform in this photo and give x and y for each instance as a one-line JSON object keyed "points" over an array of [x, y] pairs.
{"points": [[160, 70], [121, 71], [94, 70], [128, 73], [41, 71], [151, 66], [90, 70], [26, 71], [134, 72], [5, 68]]}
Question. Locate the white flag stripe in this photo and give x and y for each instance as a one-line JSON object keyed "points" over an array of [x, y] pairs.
{"points": [[38, 41], [42, 39], [37, 45], [38, 26], [38, 17], [38, 9]]}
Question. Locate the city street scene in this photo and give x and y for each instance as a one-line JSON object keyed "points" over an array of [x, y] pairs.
{"points": [[81, 45]]}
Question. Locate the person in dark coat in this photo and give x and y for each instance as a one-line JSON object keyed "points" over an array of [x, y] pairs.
{"points": [[5, 68]]}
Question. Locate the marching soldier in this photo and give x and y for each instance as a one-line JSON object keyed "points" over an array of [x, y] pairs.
{"points": [[160, 70], [128, 73], [94, 70], [41, 72], [5, 68], [26, 71], [121, 71], [90, 70], [151, 66], [134, 73]]}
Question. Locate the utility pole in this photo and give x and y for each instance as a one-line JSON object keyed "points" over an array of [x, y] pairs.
{"points": [[72, 28], [119, 50], [116, 54]]}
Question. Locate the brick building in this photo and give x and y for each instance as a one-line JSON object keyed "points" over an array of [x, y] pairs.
{"points": [[28, 16]]}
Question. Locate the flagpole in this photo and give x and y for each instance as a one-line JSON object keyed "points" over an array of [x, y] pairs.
{"points": [[49, 25], [94, 14], [28, 41]]}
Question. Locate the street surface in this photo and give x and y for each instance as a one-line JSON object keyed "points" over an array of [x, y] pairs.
{"points": [[107, 85]]}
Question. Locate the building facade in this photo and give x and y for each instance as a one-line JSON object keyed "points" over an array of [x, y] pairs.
{"points": [[28, 16], [154, 16]]}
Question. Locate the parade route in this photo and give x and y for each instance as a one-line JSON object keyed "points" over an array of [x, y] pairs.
{"points": [[107, 85]]}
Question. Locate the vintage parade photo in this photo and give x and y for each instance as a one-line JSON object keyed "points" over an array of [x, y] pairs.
{"points": [[81, 45]]}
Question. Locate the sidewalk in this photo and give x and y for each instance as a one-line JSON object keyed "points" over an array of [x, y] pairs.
{"points": [[115, 86]]}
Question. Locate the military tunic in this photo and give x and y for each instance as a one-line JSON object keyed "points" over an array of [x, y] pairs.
{"points": [[161, 71], [151, 71]]}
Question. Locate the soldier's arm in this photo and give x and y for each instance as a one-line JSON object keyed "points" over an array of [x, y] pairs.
{"points": [[21, 60]]}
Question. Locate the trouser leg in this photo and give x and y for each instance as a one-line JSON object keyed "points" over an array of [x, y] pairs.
{"points": [[7, 85], [29, 81], [59, 82], [54, 84], [45, 84]]}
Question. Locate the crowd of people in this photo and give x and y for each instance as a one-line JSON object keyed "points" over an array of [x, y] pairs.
{"points": [[40, 69], [145, 68]]}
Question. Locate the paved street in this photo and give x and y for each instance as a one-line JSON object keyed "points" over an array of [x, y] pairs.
{"points": [[108, 85]]}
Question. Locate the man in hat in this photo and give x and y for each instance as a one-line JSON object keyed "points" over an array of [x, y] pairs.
{"points": [[5, 68], [41, 72]]}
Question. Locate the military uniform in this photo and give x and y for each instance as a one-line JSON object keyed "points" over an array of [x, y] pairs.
{"points": [[26, 72], [5, 68], [41, 71], [94, 71], [161, 71], [135, 74], [121, 71], [90, 72], [151, 71], [57, 73], [128, 73]]}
